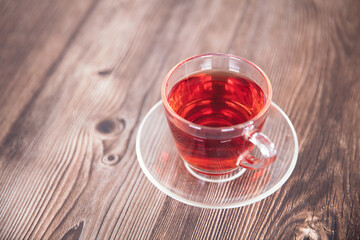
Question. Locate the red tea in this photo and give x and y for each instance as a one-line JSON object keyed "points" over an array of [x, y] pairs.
{"points": [[214, 99]]}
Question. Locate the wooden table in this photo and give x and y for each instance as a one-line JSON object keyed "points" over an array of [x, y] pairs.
{"points": [[77, 77]]}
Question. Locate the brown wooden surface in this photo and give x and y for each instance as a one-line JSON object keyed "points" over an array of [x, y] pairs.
{"points": [[77, 77]]}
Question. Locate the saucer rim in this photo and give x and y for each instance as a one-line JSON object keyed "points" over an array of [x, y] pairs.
{"points": [[217, 206]]}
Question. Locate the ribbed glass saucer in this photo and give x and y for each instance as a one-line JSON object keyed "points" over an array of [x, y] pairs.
{"points": [[163, 166]]}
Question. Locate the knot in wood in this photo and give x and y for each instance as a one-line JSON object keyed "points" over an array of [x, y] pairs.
{"points": [[75, 232], [105, 126], [110, 159], [109, 128], [104, 72]]}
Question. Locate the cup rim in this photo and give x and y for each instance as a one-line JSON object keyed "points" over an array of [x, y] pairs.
{"points": [[197, 126]]}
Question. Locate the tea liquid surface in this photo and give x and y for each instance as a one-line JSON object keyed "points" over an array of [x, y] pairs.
{"points": [[214, 99]]}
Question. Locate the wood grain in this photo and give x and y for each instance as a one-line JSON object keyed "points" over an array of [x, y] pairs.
{"points": [[77, 77]]}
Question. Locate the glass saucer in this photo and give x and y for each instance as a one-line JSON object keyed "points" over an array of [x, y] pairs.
{"points": [[161, 163]]}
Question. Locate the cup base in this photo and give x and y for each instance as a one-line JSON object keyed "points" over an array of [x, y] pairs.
{"points": [[215, 178]]}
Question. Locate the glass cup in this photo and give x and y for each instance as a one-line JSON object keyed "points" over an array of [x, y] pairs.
{"points": [[215, 149]]}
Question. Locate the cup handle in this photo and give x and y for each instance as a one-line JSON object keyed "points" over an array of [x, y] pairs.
{"points": [[267, 149]]}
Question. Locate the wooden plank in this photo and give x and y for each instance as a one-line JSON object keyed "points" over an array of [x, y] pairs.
{"points": [[77, 78]]}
